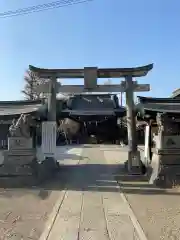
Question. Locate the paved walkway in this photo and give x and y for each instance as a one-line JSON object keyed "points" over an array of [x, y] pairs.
{"points": [[91, 206]]}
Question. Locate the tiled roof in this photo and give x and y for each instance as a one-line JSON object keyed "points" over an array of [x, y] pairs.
{"points": [[18, 107]]}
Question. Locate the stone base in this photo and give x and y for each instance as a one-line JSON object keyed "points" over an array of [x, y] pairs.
{"points": [[134, 165], [29, 175], [15, 159], [18, 181], [20, 166], [45, 169], [15, 170], [162, 173]]}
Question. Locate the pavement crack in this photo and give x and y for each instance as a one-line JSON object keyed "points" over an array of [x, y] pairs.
{"points": [[80, 220], [106, 224], [55, 217]]}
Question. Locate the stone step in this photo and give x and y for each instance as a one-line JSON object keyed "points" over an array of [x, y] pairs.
{"points": [[18, 181], [12, 170], [18, 159], [21, 152]]}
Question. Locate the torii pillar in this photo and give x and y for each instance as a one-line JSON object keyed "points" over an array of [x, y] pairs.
{"points": [[134, 163]]}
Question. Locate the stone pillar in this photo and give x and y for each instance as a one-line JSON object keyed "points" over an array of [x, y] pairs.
{"points": [[147, 145], [52, 99], [134, 163], [52, 117]]}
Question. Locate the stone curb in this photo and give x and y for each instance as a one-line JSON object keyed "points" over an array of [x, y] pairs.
{"points": [[52, 217], [136, 224], [134, 220]]}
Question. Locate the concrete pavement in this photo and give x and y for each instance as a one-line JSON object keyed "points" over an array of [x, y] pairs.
{"points": [[91, 206]]}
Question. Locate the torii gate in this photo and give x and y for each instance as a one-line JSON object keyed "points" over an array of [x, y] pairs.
{"points": [[90, 75]]}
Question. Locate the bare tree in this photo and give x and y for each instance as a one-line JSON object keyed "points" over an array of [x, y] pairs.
{"points": [[31, 83]]}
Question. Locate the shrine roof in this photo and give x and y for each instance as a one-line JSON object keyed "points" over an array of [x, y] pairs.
{"points": [[88, 112], [94, 105], [19, 107], [157, 100], [98, 112], [176, 93], [84, 105], [150, 106], [93, 101], [101, 72]]}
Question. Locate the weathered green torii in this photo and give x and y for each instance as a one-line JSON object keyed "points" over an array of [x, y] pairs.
{"points": [[90, 75]]}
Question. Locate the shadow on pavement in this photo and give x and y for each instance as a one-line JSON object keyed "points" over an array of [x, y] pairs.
{"points": [[89, 177], [69, 156]]}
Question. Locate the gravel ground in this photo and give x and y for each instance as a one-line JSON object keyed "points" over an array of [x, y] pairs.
{"points": [[158, 213], [23, 212], [157, 210]]}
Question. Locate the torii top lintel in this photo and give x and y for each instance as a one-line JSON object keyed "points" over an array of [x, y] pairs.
{"points": [[101, 72]]}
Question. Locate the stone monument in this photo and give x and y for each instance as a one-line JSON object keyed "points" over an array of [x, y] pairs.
{"points": [[165, 163], [20, 154], [21, 166]]}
